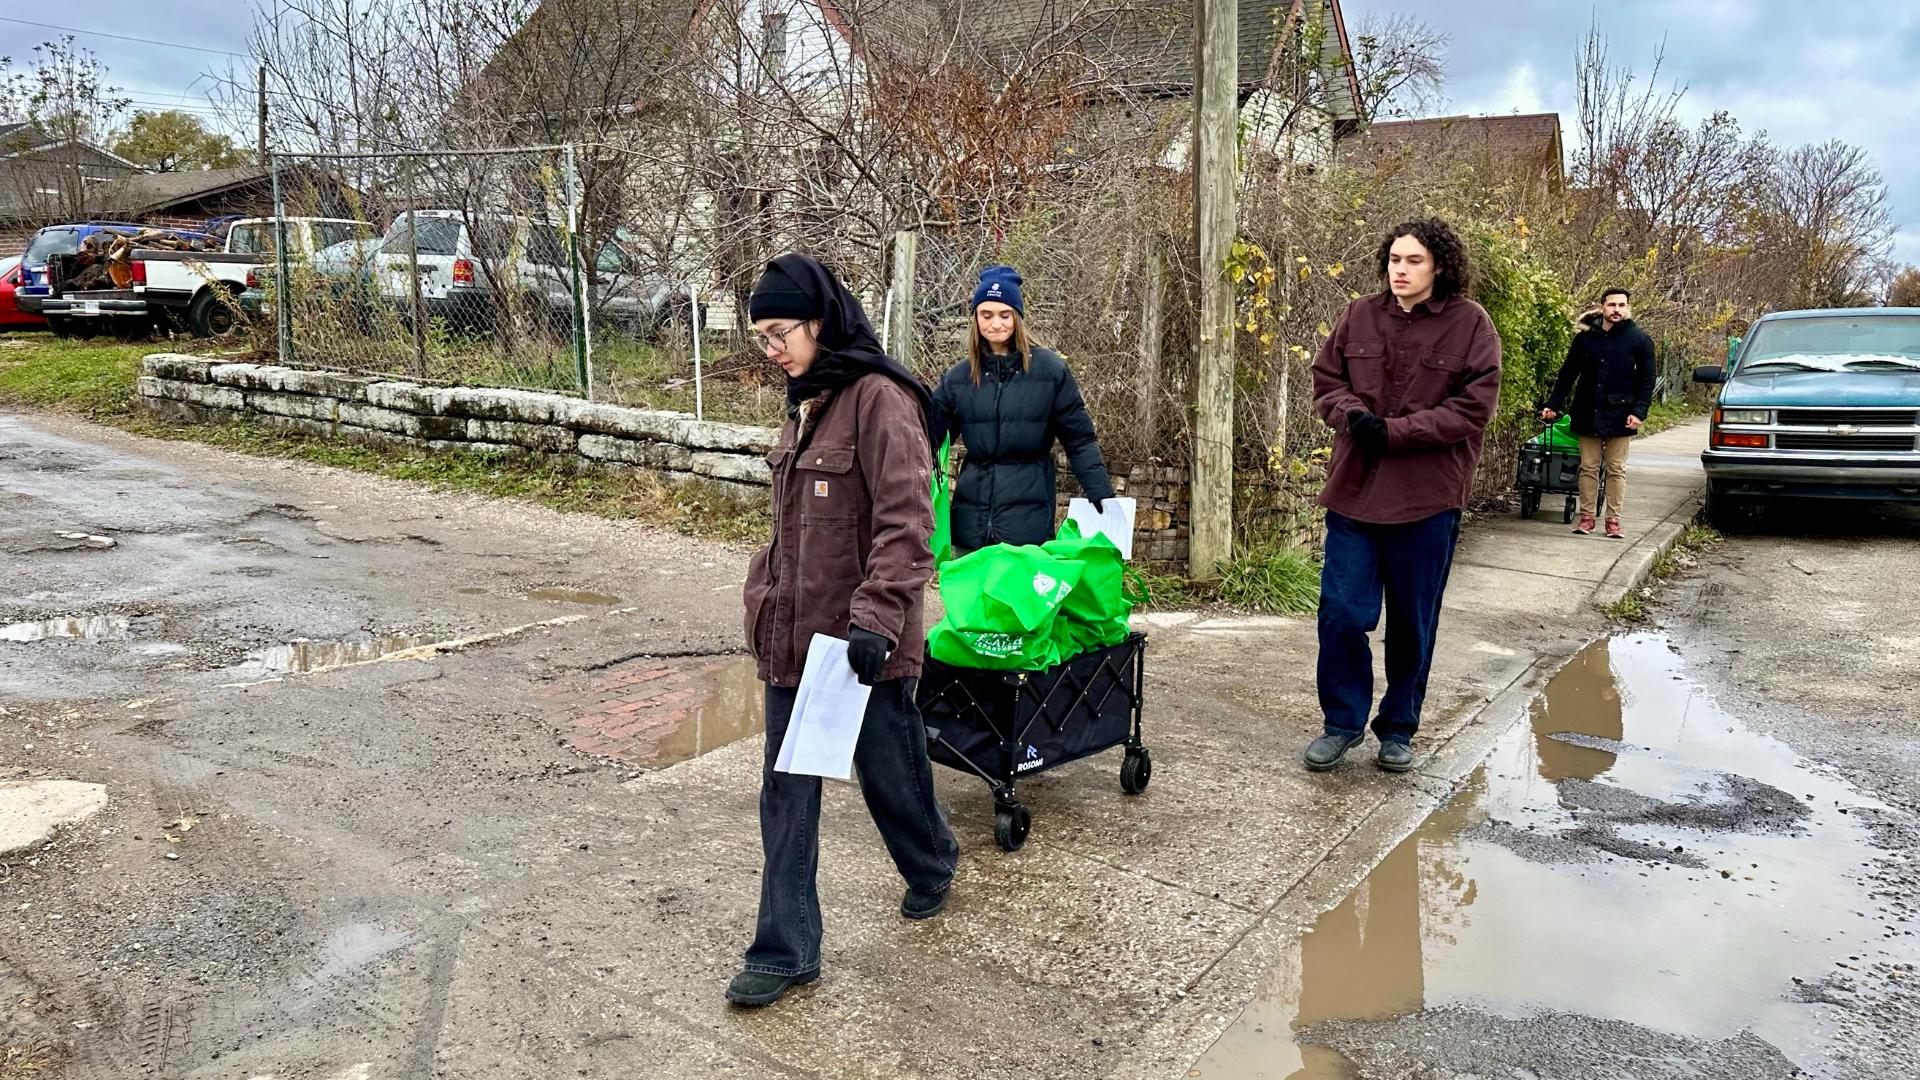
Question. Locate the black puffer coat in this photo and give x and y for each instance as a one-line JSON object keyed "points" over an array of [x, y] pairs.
{"points": [[1610, 374], [1009, 424]]}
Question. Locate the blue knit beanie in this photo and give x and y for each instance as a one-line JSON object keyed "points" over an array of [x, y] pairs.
{"points": [[1000, 284]]}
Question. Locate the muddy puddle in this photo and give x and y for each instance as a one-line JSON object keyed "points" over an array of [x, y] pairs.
{"points": [[95, 628], [731, 707], [573, 596], [678, 715], [305, 657], [1634, 862]]}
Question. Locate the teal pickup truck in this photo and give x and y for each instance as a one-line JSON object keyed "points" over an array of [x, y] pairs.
{"points": [[1817, 404]]}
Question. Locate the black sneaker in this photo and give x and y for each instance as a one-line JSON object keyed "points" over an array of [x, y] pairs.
{"points": [[1396, 757], [1326, 751], [920, 905], [752, 989]]}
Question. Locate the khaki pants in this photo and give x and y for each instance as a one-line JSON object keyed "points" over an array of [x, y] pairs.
{"points": [[1595, 452]]}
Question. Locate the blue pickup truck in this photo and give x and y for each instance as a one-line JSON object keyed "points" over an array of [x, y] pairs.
{"points": [[1817, 404]]}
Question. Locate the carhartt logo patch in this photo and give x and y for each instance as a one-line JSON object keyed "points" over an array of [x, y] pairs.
{"points": [[819, 489]]}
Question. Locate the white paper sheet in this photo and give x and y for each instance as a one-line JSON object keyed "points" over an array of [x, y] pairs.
{"points": [[827, 712], [1115, 521]]}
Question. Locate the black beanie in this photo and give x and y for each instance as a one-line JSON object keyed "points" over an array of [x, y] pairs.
{"points": [[778, 296]]}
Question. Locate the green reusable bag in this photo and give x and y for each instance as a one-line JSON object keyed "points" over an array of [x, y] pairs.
{"points": [[1559, 436], [1095, 614], [1002, 602], [942, 541]]}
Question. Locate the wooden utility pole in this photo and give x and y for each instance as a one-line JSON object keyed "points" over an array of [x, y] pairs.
{"points": [[1216, 41], [260, 95]]}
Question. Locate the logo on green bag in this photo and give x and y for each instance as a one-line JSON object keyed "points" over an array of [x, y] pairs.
{"points": [[996, 644], [1054, 590]]}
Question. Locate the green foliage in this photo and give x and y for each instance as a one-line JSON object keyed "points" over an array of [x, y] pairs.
{"points": [[175, 141], [1533, 312], [1273, 577]]}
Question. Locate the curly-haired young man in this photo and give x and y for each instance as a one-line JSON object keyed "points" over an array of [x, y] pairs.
{"points": [[1408, 382]]}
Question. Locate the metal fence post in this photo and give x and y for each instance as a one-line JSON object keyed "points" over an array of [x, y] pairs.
{"points": [[699, 392], [582, 341], [282, 314]]}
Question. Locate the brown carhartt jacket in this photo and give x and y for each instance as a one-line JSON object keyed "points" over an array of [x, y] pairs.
{"points": [[852, 517]]}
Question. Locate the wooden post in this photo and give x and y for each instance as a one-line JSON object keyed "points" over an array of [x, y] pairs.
{"points": [[1216, 100], [906, 255], [1153, 284]]}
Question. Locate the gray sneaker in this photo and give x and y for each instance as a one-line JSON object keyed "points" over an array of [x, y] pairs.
{"points": [[1326, 751]]}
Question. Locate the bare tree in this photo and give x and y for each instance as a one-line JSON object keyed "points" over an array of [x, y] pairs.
{"points": [[69, 107], [1831, 223], [1401, 62]]}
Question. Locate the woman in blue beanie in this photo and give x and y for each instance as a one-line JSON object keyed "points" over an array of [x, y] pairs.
{"points": [[1009, 401]]}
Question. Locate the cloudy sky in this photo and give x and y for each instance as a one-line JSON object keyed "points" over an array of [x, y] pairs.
{"points": [[1799, 71]]}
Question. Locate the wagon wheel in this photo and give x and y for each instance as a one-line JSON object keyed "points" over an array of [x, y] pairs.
{"points": [[1136, 772], [1529, 503], [1011, 823], [1566, 516]]}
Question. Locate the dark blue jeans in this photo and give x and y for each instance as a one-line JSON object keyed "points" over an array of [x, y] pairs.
{"points": [[1407, 566], [897, 781]]}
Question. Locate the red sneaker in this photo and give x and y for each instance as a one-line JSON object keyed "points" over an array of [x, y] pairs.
{"points": [[1613, 529], [1585, 526]]}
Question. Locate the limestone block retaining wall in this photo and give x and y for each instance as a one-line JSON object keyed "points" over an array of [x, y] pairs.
{"points": [[385, 412], [369, 409]]}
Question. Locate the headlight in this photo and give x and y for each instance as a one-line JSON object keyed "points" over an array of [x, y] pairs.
{"points": [[1746, 416]]}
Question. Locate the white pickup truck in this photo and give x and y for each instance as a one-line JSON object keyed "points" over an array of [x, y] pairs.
{"points": [[197, 291]]}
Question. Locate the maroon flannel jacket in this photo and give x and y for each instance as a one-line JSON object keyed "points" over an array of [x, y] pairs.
{"points": [[1433, 374]]}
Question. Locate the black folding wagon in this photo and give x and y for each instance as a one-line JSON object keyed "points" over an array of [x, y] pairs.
{"points": [[1005, 725], [1549, 465]]}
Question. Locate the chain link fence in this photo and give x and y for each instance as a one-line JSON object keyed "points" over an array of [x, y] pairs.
{"points": [[495, 267]]}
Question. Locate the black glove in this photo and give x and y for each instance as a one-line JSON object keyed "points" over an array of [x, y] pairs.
{"points": [[867, 654], [1099, 505], [1368, 430]]}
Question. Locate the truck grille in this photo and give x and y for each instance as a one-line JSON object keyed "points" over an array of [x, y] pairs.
{"points": [[1863, 444], [1856, 417]]}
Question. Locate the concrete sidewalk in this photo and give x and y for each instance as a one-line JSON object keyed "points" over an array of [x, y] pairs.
{"points": [[1129, 932]]}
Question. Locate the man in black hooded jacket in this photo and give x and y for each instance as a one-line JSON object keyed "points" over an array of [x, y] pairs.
{"points": [[1610, 373]]}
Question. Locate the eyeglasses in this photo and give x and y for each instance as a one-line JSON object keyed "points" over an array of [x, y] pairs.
{"points": [[766, 341]]}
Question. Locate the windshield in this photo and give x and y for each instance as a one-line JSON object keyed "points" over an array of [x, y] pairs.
{"points": [[1834, 343], [50, 242], [328, 233], [435, 235]]}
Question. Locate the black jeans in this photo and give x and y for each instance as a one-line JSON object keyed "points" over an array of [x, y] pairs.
{"points": [[897, 780], [1408, 566]]}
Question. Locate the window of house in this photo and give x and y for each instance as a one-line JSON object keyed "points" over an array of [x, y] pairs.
{"points": [[773, 52]]}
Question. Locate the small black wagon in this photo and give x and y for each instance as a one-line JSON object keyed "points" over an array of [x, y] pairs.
{"points": [[1549, 465], [1004, 725]]}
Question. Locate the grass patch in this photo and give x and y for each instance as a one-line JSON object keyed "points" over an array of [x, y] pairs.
{"points": [[90, 378], [97, 381], [1670, 414], [1274, 578], [694, 508], [1637, 605]]}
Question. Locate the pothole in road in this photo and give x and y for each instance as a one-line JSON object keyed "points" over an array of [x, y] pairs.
{"points": [[652, 713], [1634, 869], [83, 628]]}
